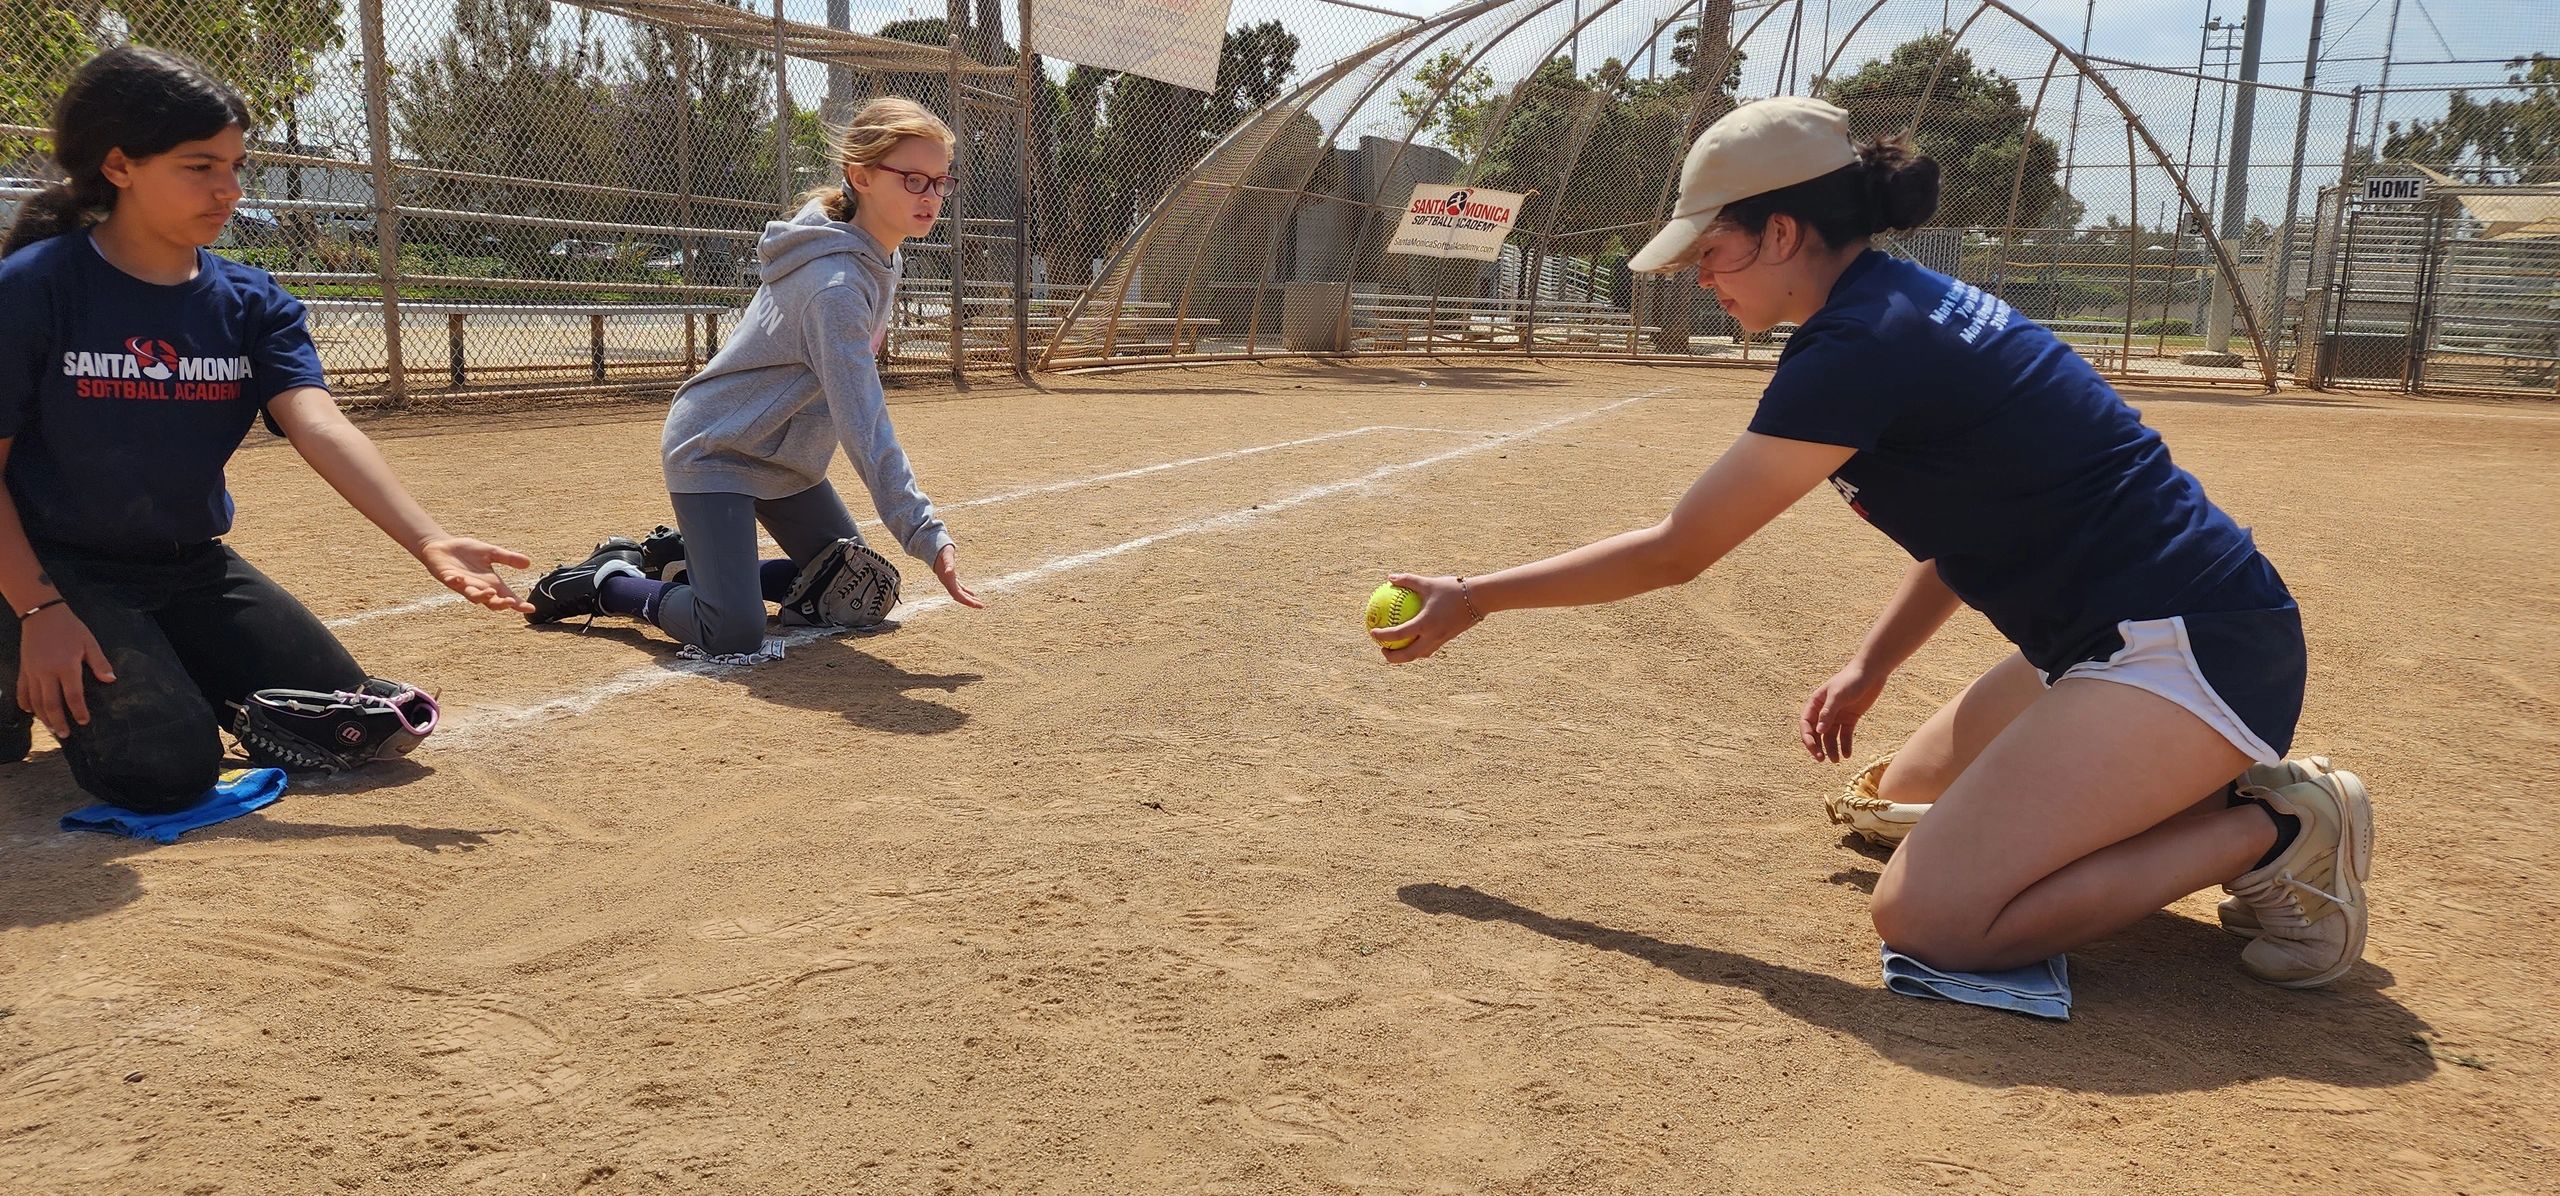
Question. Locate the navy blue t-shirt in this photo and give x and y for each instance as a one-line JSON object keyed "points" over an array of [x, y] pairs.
{"points": [[125, 399], [1987, 445]]}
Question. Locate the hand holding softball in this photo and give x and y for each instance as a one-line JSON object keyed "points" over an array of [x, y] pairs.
{"points": [[1446, 614]]}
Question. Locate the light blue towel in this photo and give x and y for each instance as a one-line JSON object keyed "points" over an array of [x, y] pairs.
{"points": [[2038, 989], [238, 792]]}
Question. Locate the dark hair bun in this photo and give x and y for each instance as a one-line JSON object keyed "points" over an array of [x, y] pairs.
{"points": [[1902, 186]]}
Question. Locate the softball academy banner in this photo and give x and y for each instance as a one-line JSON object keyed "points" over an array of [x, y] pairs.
{"points": [[1173, 40], [1446, 220]]}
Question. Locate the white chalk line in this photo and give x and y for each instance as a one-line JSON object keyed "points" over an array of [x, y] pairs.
{"points": [[412, 607], [1188, 462], [498, 720], [442, 600]]}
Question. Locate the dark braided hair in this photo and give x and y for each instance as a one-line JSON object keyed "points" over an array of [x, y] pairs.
{"points": [[143, 101]]}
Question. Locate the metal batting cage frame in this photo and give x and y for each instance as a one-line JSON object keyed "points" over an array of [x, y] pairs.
{"points": [[549, 200]]}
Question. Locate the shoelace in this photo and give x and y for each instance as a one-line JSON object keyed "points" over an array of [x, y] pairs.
{"points": [[392, 704], [2278, 900], [595, 602]]}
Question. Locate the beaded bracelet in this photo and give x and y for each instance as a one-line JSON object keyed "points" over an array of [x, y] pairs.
{"points": [[1469, 595]]}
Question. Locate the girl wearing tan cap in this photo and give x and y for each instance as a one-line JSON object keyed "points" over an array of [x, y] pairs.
{"points": [[2131, 751]]}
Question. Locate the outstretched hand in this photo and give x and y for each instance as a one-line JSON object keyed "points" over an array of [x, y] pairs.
{"points": [[1446, 615], [946, 569], [468, 567], [1829, 724]]}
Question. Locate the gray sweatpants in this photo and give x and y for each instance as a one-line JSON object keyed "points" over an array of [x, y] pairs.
{"points": [[720, 607]]}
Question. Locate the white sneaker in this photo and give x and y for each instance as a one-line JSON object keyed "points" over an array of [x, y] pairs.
{"points": [[2237, 918], [2309, 901], [1861, 808]]}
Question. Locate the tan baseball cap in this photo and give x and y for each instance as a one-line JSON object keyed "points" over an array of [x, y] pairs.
{"points": [[1756, 148]]}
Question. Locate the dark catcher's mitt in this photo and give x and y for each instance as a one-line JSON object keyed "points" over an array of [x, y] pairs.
{"points": [[848, 585], [302, 730]]}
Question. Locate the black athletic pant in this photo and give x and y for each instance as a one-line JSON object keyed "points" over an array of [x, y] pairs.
{"points": [[186, 632]]}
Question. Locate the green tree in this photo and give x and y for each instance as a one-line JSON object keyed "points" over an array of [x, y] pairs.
{"points": [[1104, 144], [1625, 150], [1152, 131], [1972, 121], [1458, 116], [720, 93], [930, 89], [1071, 190], [1686, 49], [1599, 150], [266, 50], [504, 95], [1118, 141], [2496, 140], [1610, 200], [45, 42]]}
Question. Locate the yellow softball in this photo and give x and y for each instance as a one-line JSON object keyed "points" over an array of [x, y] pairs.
{"points": [[1391, 604]]}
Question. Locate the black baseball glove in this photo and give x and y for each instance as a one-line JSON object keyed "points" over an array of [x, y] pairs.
{"points": [[302, 730]]}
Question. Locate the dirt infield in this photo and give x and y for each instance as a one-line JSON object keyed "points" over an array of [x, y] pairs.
{"points": [[1152, 878]]}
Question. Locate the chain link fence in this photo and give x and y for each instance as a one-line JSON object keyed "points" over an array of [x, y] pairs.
{"points": [[2436, 266], [543, 200], [2066, 191]]}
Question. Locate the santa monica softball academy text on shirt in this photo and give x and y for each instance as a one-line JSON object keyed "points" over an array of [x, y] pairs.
{"points": [[124, 399]]}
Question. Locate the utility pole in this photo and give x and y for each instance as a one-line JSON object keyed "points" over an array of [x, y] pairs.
{"points": [[2195, 101], [2283, 273], [2222, 106], [2187, 161], [2213, 170], [839, 76], [2382, 90], [2235, 195]]}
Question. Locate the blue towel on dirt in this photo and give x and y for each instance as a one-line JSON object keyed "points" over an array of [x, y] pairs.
{"points": [[2038, 989], [238, 792]]}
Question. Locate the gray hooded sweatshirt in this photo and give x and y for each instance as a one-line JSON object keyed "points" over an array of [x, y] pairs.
{"points": [[801, 375]]}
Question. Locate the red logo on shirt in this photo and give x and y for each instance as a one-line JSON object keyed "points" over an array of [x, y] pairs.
{"points": [[158, 359]]}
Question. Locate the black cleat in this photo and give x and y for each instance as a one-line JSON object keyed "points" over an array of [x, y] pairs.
{"points": [[662, 555], [569, 591]]}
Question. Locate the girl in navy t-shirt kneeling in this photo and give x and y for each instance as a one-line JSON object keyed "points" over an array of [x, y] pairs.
{"points": [[132, 363], [2132, 750]]}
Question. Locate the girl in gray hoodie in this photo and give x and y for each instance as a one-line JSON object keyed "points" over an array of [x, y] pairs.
{"points": [[749, 439]]}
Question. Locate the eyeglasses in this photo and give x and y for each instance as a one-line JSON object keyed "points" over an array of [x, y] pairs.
{"points": [[918, 182]]}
